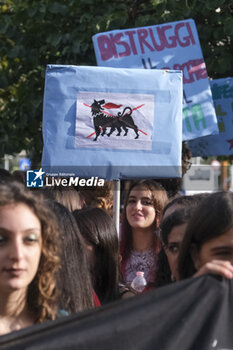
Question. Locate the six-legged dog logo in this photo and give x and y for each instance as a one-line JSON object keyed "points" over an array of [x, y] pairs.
{"points": [[103, 120]]}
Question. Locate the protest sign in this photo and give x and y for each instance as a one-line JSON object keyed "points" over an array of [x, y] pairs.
{"points": [[194, 314], [221, 144], [172, 45], [112, 123]]}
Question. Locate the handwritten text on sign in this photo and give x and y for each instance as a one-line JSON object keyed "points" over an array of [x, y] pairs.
{"points": [[168, 46]]}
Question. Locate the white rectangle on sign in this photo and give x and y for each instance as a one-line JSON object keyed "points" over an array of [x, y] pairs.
{"points": [[114, 120]]}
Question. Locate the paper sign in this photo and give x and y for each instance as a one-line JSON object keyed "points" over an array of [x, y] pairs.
{"points": [[172, 45], [112, 123], [222, 144]]}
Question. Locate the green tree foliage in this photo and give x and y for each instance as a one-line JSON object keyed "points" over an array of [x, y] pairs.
{"points": [[36, 33]]}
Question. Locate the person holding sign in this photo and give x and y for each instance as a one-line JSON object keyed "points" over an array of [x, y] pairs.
{"points": [[29, 259], [140, 244]]}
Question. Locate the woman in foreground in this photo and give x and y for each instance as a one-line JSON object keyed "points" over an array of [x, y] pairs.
{"points": [[29, 259]]}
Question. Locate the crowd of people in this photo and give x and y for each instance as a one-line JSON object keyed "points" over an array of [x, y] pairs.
{"points": [[60, 252]]}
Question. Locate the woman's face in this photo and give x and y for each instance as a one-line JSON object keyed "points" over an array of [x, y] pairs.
{"points": [[140, 211], [20, 246], [172, 249], [218, 248]]}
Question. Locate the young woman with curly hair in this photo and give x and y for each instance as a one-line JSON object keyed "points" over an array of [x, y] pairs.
{"points": [[140, 245], [29, 258]]}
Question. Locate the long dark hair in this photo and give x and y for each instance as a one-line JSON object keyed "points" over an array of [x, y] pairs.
{"points": [[212, 218], [74, 278], [98, 229], [159, 197]]}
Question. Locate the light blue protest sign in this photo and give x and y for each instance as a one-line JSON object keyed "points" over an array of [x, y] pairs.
{"points": [[222, 144], [112, 123], [172, 45]]}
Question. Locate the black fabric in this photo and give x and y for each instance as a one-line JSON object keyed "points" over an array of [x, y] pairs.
{"points": [[195, 314]]}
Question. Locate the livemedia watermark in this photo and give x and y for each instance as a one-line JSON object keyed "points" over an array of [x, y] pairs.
{"points": [[38, 178]]}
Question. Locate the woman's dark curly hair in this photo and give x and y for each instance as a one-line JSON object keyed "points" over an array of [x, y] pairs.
{"points": [[42, 292]]}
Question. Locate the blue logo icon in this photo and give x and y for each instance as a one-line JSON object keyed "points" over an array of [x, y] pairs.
{"points": [[24, 164], [35, 178]]}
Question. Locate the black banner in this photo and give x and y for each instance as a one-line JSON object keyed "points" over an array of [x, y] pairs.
{"points": [[195, 314]]}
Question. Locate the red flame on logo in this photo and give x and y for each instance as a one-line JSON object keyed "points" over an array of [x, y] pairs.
{"points": [[111, 105]]}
